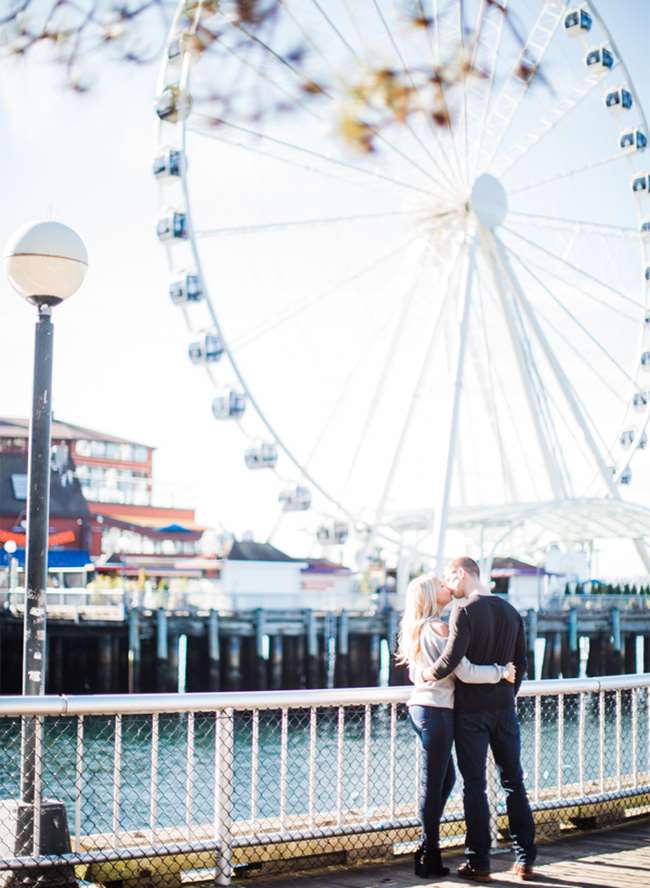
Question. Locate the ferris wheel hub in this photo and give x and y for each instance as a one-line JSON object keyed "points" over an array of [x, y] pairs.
{"points": [[488, 201]]}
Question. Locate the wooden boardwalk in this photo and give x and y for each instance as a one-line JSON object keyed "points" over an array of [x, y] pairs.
{"points": [[615, 858]]}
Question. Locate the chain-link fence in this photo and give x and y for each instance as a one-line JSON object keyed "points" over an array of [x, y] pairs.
{"points": [[205, 786]]}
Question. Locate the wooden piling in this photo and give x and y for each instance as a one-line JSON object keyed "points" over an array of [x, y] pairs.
{"points": [[531, 638], [391, 638], [571, 666], [277, 649], [260, 661], [556, 654], [214, 669], [374, 654], [162, 652], [614, 645], [104, 664], [134, 651], [311, 647], [595, 660], [547, 661], [234, 663], [172, 661], [342, 650], [329, 633], [55, 675], [630, 653]]}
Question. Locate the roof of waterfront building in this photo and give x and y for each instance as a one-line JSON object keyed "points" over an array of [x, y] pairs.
{"points": [[513, 565], [66, 497], [247, 550], [61, 431]]}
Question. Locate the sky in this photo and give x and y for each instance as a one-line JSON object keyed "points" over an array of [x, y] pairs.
{"points": [[120, 347]]}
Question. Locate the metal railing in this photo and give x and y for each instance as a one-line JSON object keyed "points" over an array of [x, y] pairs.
{"points": [[217, 784]]}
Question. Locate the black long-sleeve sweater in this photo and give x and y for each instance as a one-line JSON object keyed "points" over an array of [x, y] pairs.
{"points": [[486, 630]]}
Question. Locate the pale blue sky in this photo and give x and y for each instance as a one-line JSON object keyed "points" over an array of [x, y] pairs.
{"points": [[121, 363]]}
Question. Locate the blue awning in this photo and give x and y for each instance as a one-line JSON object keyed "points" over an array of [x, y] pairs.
{"points": [[174, 528], [56, 559]]}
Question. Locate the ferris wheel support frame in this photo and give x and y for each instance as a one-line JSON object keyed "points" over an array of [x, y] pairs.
{"points": [[501, 255], [532, 394]]}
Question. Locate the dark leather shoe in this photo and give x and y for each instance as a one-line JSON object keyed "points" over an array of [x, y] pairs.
{"points": [[524, 872], [467, 871], [428, 863]]}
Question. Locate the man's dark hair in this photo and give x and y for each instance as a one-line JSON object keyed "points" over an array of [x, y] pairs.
{"points": [[468, 564]]}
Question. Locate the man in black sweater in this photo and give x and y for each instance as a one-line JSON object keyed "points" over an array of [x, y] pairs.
{"points": [[486, 629]]}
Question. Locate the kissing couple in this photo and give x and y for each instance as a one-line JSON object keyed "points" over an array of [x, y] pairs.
{"points": [[466, 678]]}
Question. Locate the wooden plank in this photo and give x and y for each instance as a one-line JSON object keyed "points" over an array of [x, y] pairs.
{"points": [[623, 862]]}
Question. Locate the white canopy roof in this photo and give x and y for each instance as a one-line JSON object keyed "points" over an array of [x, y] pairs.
{"points": [[539, 524]]}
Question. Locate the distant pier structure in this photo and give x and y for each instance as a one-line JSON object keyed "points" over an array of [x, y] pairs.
{"points": [[118, 650]]}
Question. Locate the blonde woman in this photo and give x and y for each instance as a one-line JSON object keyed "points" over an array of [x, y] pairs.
{"points": [[422, 639]]}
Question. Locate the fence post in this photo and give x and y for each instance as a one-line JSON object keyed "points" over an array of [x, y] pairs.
{"points": [[223, 791]]}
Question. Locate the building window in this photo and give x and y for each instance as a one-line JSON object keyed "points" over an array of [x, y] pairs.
{"points": [[98, 449], [140, 454]]}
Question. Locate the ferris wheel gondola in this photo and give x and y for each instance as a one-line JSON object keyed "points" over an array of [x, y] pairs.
{"points": [[437, 265]]}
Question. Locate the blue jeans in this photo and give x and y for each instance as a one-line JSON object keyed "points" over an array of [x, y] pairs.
{"points": [[474, 732], [435, 728]]}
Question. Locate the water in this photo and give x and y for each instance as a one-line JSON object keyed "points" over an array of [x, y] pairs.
{"points": [[185, 790]]}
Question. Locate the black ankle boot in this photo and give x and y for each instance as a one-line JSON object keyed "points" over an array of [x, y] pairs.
{"points": [[429, 863]]}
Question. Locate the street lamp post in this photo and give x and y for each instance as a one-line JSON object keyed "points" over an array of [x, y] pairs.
{"points": [[45, 263], [12, 568]]}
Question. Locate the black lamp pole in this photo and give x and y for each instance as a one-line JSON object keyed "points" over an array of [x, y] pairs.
{"points": [[45, 262], [38, 511]]}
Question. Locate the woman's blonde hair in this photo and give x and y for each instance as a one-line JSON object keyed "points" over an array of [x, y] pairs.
{"points": [[421, 605]]}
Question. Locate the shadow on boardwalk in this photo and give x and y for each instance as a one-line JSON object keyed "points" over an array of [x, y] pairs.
{"points": [[616, 858]]}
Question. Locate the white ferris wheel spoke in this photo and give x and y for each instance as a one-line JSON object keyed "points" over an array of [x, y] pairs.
{"points": [[586, 332], [514, 89], [292, 224], [338, 33], [406, 69], [536, 135], [581, 357], [385, 371], [615, 310], [379, 135], [441, 513], [302, 305], [300, 149], [216, 136], [399, 448], [576, 268], [486, 53], [364, 353], [241, 58], [437, 60], [569, 174], [491, 382]]}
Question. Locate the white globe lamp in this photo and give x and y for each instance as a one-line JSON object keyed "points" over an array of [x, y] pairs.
{"points": [[46, 262]]}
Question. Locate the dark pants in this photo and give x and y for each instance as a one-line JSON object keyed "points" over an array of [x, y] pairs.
{"points": [[435, 728], [499, 729]]}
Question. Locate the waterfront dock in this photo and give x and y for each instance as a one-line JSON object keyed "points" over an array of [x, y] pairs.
{"points": [[617, 857], [104, 644]]}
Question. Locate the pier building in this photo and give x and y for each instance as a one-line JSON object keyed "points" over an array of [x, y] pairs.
{"points": [[103, 506]]}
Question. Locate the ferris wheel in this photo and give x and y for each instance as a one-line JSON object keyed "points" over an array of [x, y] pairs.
{"points": [[411, 245]]}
